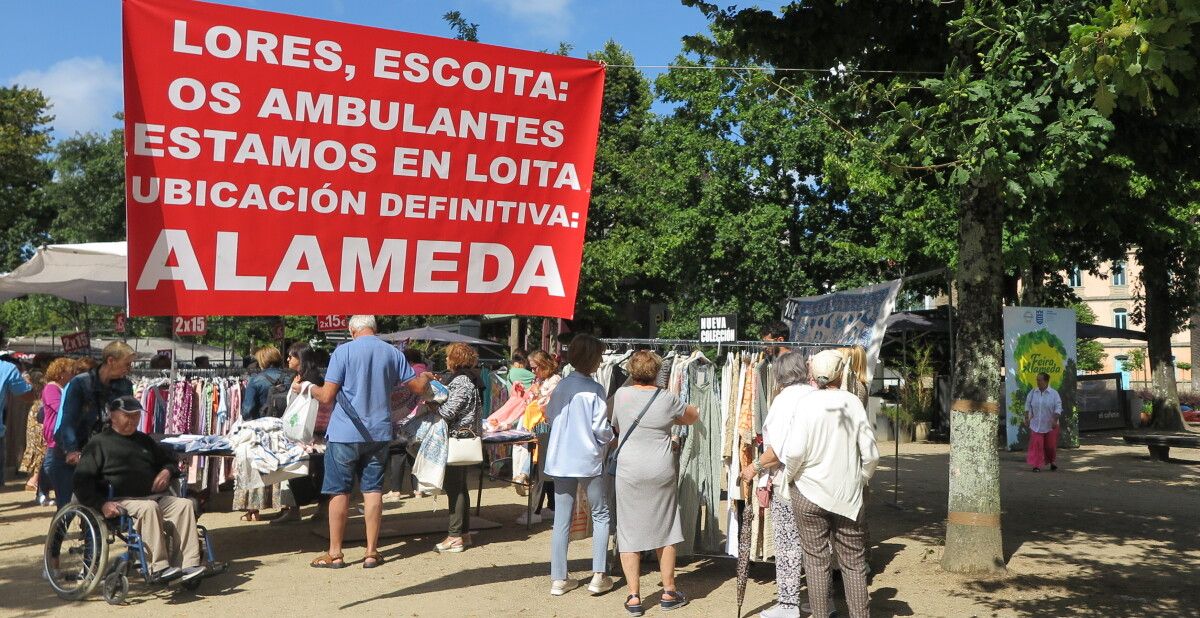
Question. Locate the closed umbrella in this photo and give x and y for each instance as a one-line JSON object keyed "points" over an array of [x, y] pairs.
{"points": [[743, 565]]}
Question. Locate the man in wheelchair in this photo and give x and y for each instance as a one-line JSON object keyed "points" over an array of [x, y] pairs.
{"points": [[138, 471]]}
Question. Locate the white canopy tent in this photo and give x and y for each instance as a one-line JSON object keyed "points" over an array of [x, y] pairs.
{"points": [[93, 272]]}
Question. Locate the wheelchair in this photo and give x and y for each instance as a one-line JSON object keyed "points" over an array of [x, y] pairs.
{"points": [[78, 557]]}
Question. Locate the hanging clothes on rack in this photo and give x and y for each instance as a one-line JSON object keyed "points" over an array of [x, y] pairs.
{"points": [[699, 459], [733, 395], [204, 405]]}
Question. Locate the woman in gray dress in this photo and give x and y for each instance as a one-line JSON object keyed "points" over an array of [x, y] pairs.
{"points": [[646, 480]]}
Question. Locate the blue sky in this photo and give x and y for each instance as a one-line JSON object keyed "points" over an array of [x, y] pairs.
{"points": [[72, 49]]}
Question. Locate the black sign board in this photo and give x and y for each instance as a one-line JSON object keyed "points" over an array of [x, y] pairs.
{"points": [[718, 328], [1099, 399]]}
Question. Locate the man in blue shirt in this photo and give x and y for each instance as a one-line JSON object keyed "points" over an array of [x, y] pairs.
{"points": [[12, 385], [361, 376]]}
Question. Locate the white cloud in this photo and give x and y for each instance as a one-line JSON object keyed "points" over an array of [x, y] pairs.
{"points": [[84, 93], [548, 18]]}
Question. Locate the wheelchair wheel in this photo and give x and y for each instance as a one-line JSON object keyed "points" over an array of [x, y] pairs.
{"points": [[116, 587], [76, 554]]}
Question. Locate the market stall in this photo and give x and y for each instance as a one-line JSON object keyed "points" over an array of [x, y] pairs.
{"points": [[93, 273]]}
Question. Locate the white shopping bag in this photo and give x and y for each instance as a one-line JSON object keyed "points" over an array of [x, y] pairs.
{"points": [[300, 417]]}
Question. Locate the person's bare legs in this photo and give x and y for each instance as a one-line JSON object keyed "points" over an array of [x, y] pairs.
{"points": [[666, 564], [373, 516], [631, 566], [339, 510]]}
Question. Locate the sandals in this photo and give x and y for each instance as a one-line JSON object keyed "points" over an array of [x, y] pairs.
{"points": [[325, 561], [634, 610], [250, 516], [375, 557], [287, 516], [677, 600], [457, 546]]}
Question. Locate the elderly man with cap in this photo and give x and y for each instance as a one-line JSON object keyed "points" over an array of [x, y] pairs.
{"points": [[829, 456], [138, 471]]}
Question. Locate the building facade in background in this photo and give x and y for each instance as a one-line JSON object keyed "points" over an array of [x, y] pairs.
{"points": [[1110, 294]]}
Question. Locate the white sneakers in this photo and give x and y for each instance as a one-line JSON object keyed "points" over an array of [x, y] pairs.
{"points": [[526, 518], [601, 583], [536, 518], [563, 586], [782, 611]]}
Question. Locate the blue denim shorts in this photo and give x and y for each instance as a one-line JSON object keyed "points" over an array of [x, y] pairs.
{"points": [[345, 461]]}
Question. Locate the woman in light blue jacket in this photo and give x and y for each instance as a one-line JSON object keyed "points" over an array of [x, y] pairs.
{"points": [[579, 436]]}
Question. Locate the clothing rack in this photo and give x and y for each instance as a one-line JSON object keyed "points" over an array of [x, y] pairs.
{"points": [[212, 372], [691, 344]]}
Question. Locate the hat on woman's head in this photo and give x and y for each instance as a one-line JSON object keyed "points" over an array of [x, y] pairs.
{"points": [[827, 367]]}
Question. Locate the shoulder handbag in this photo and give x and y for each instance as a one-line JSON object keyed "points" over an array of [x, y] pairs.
{"points": [[612, 458], [464, 448]]}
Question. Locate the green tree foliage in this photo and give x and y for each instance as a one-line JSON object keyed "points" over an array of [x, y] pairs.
{"points": [[1132, 52], [463, 30], [1089, 353], [24, 144], [717, 207], [87, 196], [971, 114], [84, 202], [1138, 58]]}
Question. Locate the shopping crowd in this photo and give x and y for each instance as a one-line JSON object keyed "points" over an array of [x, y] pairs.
{"points": [[818, 452]]}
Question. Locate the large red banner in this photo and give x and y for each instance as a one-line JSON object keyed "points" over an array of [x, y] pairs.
{"points": [[284, 165]]}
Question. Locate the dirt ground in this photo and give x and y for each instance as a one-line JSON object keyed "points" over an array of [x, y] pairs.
{"points": [[1110, 534]]}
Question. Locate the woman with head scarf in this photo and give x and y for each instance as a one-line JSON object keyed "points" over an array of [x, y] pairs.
{"points": [[830, 455]]}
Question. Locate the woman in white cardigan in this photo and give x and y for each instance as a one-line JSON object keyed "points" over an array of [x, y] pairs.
{"points": [[579, 436], [830, 455]]}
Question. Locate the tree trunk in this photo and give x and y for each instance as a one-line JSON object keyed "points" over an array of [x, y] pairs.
{"points": [[1195, 339], [973, 539], [1033, 287], [1160, 326]]}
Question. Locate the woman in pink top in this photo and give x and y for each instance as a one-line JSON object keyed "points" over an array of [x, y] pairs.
{"points": [[57, 375]]}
